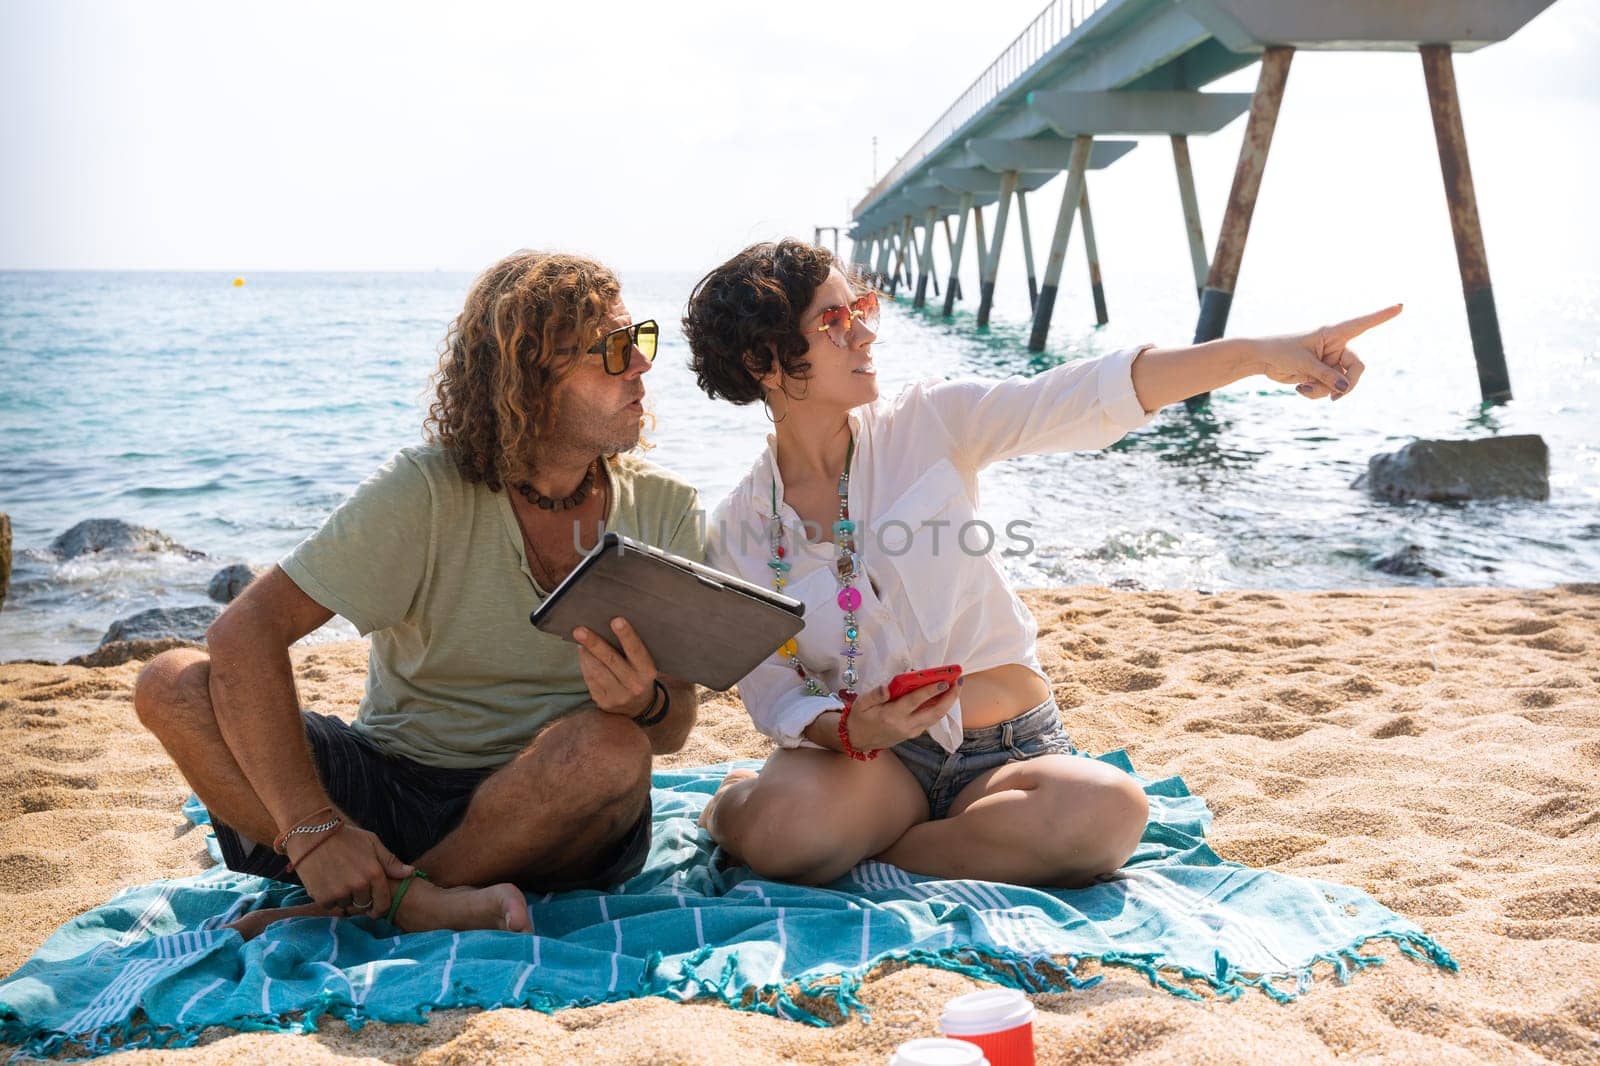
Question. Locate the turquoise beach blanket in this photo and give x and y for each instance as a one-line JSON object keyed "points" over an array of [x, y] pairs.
{"points": [[153, 968]]}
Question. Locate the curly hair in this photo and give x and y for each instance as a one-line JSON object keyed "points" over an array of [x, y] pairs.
{"points": [[744, 316], [499, 367]]}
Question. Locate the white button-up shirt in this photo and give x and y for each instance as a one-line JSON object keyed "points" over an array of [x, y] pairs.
{"points": [[932, 591]]}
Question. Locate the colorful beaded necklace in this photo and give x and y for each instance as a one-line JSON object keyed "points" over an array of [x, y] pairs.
{"points": [[846, 568]]}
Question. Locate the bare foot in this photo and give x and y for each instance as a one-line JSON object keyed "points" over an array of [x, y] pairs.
{"points": [[733, 778], [500, 906], [425, 907]]}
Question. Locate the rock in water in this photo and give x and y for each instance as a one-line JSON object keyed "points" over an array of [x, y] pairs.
{"points": [[115, 535], [1408, 562], [227, 583], [181, 623], [5, 556], [121, 651], [1459, 470]]}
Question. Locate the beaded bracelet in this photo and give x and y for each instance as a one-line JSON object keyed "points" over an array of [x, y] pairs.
{"points": [[844, 737], [282, 842]]}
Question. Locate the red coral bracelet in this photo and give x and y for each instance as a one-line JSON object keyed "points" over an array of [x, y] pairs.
{"points": [[844, 737]]}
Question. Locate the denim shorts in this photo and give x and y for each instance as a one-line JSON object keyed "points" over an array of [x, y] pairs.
{"points": [[943, 775]]}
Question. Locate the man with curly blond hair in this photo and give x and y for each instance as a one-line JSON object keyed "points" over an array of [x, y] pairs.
{"points": [[492, 756]]}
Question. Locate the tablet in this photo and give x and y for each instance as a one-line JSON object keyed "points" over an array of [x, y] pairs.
{"points": [[699, 624]]}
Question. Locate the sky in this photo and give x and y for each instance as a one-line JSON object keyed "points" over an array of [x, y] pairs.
{"points": [[365, 136]]}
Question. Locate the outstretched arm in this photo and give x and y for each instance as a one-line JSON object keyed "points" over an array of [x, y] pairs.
{"points": [[1319, 363]]}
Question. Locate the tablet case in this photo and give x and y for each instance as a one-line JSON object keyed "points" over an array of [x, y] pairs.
{"points": [[699, 624]]}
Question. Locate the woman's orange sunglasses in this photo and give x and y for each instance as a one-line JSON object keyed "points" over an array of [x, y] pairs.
{"points": [[837, 321]]}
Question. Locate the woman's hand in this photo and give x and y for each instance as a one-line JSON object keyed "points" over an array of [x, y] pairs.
{"points": [[621, 683], [1319, 363], [877, 722]]}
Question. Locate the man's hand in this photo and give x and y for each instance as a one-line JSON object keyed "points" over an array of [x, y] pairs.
{"points": [[349, 874], [620, 682]]}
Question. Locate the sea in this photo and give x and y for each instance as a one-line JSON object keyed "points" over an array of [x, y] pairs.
{"points": [[234, 418]]}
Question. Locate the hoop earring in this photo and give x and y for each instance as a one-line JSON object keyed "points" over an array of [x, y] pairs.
{"points": [[766, 405]]}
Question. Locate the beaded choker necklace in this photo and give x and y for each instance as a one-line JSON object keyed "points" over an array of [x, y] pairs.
{"points": [[846, 568]]}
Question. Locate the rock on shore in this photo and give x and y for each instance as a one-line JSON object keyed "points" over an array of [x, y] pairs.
{"points": [[114, 535], [162, 623]]}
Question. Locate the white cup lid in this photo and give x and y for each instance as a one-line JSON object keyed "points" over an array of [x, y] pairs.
{"points": [[990, 1011], [937, 1051]]}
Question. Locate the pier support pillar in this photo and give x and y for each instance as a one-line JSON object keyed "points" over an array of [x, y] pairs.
{"points": [[991, 256], [983, 240], [1027, 249], [925, 260], [1217, 299], [908, 250], [1438, 69], [1077, 165], [956, 248], [881, 270], [900, 256], [1098, 290], [1191, 210]]}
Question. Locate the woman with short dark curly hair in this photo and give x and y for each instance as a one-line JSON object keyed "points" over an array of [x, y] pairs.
{"points": [[864, 508]]}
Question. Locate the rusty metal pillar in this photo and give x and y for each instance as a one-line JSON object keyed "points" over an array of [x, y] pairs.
{"points": [[1191, 210], [991, 257], [1077, 165], [1027, 249], [1100, 317], [1217, 300], [953, 288], [1438, 69]]}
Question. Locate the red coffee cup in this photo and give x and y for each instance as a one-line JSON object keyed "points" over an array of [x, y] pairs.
{"points": [[999, 1020], [937, 1051]]}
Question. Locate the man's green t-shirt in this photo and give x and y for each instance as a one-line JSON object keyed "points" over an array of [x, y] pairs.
{"points": [[432, 566]]}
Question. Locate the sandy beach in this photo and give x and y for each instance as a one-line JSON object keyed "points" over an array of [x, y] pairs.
{"points": [[1439, 749]]}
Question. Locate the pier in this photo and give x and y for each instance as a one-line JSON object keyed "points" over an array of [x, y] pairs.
{"points": [[1088, 80]]}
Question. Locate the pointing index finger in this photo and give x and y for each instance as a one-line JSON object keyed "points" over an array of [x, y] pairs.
{"points": [[1354, 327]]}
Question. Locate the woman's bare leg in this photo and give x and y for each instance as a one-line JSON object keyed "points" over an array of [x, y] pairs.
{"points": [[811, 815], [1058, 820], [425, 906]]}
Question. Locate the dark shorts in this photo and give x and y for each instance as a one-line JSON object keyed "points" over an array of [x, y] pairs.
{"points": [[410, 806], [944, 774]]}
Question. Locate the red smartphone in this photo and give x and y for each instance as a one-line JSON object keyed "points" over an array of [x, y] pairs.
{"points": [[912, 680]]}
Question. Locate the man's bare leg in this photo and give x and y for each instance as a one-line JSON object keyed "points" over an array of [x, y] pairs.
{"points": [[172, 698], [551, 814], [553, 811]]}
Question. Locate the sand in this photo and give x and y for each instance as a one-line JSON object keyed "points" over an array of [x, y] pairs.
{"points": [[1439, 749]]}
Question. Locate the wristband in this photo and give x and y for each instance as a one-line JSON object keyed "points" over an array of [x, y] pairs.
{"points": [[400, 893], [660, 704], [844, 736]]}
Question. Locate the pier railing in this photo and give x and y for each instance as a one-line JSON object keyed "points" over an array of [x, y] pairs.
{"points": [[1052, 26]]}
